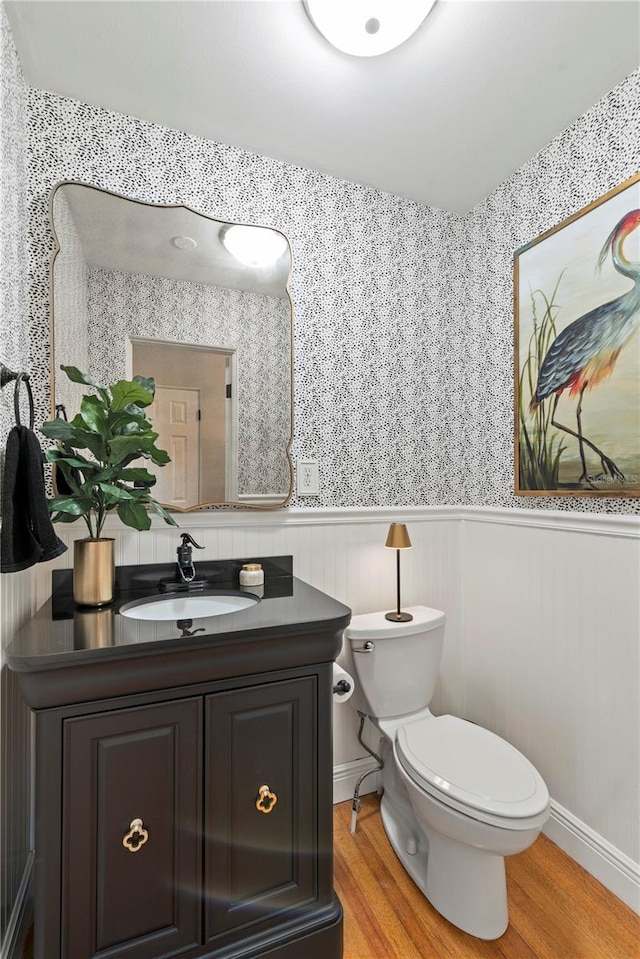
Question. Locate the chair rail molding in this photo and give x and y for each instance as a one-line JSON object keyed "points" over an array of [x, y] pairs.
{"points": [[607, 524]]}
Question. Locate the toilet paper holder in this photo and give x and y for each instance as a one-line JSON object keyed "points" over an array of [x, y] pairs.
{"points": [[343, 684]]}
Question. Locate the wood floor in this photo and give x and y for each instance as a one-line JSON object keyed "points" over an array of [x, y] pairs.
{"points": [[557, 910]]}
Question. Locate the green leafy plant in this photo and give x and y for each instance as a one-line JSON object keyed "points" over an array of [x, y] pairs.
{"points": [[113, 429]]}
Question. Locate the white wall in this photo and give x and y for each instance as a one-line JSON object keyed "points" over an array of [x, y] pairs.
{"points": [[551, 658], [551, 645]]}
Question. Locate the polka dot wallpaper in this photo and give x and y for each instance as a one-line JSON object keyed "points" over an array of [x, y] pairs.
{"points": [[403, 313], [257, 327], [14, 351], [600, 151], [373, 399]]}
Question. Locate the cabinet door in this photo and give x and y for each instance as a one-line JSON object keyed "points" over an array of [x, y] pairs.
{"points": [[260, 864], [136, 900]]}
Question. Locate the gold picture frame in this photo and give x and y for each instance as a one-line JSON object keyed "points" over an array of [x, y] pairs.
{"points": [[577, 352]]}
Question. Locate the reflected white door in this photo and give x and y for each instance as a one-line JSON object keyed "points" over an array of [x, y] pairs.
{"points": [[175, 415]]}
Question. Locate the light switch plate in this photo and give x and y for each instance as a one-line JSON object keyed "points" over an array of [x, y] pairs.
{"points": [[307, 478]]}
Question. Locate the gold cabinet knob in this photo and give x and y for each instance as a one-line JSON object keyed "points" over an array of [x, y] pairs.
{"points": [[266, 800], [136, 837]]}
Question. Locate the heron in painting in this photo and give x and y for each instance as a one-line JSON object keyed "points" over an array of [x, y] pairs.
{"points": [[585, 352]]}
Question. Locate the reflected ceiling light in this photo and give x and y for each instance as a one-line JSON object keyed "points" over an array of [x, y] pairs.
{"points": [[254, 245], [366, 28]]}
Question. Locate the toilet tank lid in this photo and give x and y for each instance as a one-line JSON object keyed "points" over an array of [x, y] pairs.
{"points": [[375, 626]]}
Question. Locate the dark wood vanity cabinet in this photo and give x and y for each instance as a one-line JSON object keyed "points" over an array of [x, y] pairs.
{"points": [[183, 778], [192, 823], [260, 821], [120, 895]]}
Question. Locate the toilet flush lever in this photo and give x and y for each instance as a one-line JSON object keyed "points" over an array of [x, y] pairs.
{"points": [[368, 647]]}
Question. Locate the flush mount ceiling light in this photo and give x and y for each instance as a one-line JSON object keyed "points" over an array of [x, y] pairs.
{"points": [[254, 245], [184, 242], [367, 28]]}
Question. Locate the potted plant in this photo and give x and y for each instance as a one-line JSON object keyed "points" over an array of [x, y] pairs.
{"points": [[94, 459]]}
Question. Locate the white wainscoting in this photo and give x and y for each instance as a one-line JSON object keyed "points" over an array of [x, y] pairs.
{"points": [[17, 605], [550, 646], [339, 551], [542, 642]]}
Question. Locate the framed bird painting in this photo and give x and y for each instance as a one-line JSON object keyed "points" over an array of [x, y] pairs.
{"points": [[577, 353]]}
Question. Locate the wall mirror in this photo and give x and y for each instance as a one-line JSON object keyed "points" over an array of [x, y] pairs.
{"points": [[201, 305]]}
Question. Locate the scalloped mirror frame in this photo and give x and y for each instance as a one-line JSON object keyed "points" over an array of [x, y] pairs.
{"points": [[55, 361]]}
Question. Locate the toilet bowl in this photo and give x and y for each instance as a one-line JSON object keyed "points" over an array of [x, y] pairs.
{"points": [[456, 798]]}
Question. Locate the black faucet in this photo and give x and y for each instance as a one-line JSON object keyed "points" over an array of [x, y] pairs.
{"points": [[185, 578], [186, 569]]}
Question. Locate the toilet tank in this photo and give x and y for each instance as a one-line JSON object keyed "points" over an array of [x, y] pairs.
{"points": [[398, 675]]}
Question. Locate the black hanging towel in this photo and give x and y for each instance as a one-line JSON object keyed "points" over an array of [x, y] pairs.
{"points": [[27, 536]]}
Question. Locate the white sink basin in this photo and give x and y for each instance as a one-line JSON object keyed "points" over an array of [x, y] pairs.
{"points": [[191, 606]]}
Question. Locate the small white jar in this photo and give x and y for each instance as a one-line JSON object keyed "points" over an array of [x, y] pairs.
{"points": [[252, 574]]}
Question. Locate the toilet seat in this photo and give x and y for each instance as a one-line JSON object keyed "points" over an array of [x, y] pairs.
{"points": [[473, 770]]}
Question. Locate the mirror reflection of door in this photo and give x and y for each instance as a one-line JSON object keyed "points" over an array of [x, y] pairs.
{"points": [[193, 413], [175, 415]]}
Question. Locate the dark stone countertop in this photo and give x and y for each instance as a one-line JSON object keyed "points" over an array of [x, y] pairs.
{"points": [[63, 645]]}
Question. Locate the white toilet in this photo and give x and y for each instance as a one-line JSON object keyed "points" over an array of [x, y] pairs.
{"points": [[457, 798]]}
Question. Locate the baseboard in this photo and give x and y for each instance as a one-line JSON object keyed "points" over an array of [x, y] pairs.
{"points": [[603, 861], [619, 874], [20, 915], [345, 779]]}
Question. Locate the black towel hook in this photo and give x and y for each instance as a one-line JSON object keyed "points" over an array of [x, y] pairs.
{"points": [[6, 376]]}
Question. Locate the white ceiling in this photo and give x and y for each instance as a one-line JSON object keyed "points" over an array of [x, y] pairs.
{"points": [[443, 119]]}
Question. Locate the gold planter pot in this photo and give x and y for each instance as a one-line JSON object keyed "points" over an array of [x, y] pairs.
{"points": [[93, 571]]}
